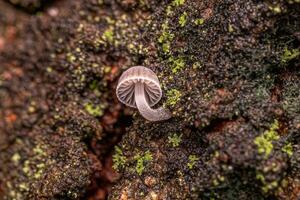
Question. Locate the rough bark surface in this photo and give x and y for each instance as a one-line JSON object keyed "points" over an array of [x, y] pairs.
{"points": [[230, 75]]}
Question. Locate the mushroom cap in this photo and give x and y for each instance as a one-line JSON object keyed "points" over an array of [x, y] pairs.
{"points": [[126, 86]]}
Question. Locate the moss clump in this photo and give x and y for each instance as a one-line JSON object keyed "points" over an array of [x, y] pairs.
{"points": [[140, 164], [169, 10], [264, 141], [108, 35], [178, 2], [199, 21], [289, 54], [174, 140], [96, 111], [177, 64], [173, 96], [94, 87], [276, 9], [165, 34], [119, 159], [288, 149], [183, 19], [165, 38], [218, 180], [71, 58], [230, 28], [267, 186], [192, 161], [16, 158]]}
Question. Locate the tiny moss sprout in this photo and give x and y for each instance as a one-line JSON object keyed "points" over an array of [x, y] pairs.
{"points": [[178, 2], [192, 161], [174, 140], [288, 149], [94, 110], [265, 141], [108, 35], [141, 161], [119, 160], [177, 64], [183, 19], [199, 21], [173, 96], [289, 54]]}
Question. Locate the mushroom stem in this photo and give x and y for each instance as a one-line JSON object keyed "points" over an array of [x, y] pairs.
{"points": [[144, 108]]}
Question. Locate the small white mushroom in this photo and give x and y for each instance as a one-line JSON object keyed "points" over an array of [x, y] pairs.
{"points": [[138, 87]]}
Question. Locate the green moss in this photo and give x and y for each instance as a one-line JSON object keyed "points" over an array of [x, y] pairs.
{"points": [[174, 140], [264, 141], [94, 87], [289, 54], [107, 69], [215, 182], [108, 35], [266, 186], [260, 177], [39, 151], [166, 47], [119, 160], [183, 19], [276, 9], [169, 10], [197, 65], [173, 96], [38, 173], [218, 180], [270, 186], [16, 158], [178, 2], [192, 161], [23, 187], [140, 161], [71, 58], [288, 149], [165, 38], [199, 21], [230, 28], [96, 111], [177, 64]]}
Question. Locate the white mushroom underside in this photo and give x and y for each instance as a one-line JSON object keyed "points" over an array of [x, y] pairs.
{"points": [[139, 87], [126, 92]]}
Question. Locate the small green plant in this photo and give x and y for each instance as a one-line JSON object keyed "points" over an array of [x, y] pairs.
{"points": [[183, 19], [71, 58], [177, 64], [266, 186], [119, 160], [165, 38], [178, 2], [276, 9], [96, 111], [174, 140], [290, 54], [288, 149], [108, 35], [192, 161], [173, 96], [199, 21], [219, 179], [230, 28], [264, 141], [140, 161], [94, 87]]}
